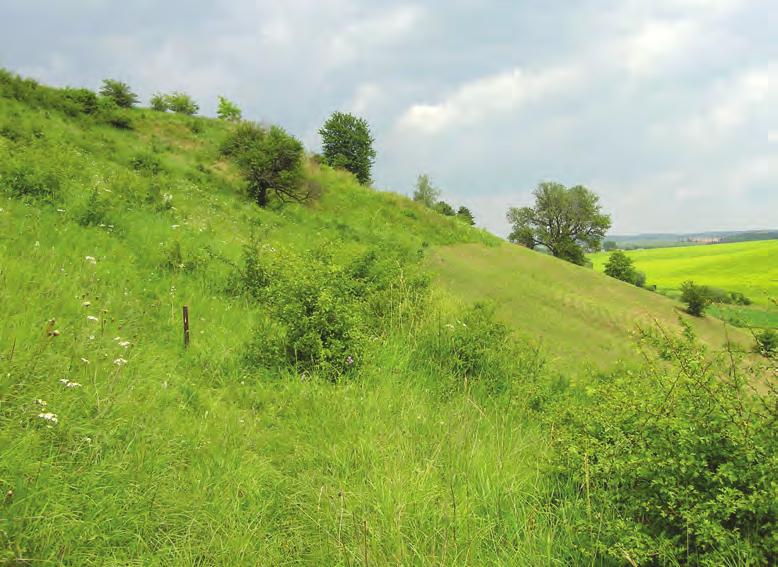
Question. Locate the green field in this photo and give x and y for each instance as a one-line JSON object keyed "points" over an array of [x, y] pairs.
{"points": [[748, 267], [449, 436], [578, 315]]}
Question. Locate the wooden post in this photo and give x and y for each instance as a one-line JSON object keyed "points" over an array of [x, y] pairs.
{"points": [[186, 326]]}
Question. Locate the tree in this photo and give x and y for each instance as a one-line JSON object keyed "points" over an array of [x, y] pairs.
{"points": [[696, 297], [425, 192], [271, 162], [609, 245], [119, 92], [228, 110], [159, 102], [347, 143], [444, 209], [182, 103], [566, 221], [467, 216], [620, 266]]}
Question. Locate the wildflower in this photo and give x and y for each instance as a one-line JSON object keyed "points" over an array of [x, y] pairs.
{"points": [[84, 360], [117, 338], [91, 337], [174, 226], [88, 439], [92, 318], [64, 381], [72, 385], [41, 402], [48, 416], [120, 362], [349, 360], [91, 259], [55, 333], [60, 210], [86, 303], [449, 325], [124, 344]]}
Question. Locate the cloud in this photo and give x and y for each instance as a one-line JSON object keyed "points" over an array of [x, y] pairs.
{"points": [[660, 107], [486, 98]]}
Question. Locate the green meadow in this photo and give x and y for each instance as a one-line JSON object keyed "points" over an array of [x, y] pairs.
{"points": [[747, 267], [367, 382]]}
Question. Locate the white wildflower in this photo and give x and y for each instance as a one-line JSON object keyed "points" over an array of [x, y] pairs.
{"points": [[72, 385], [92, 318], [91, 259], [120, 362], [88, 439], [41, 402], [86, 303], [91, 337], [84, 360], [124, 344], [60, 210], [174, 226], [64, 381], [48, 416]]}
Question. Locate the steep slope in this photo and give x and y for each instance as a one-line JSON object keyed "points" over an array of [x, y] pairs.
{"points": [[580, 316]]}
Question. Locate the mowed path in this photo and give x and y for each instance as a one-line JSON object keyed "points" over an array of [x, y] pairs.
{"points": [[581, 317]]}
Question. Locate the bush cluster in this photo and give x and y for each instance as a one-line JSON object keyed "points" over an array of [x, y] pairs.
{"points": [[319, 314], [676, 463]]}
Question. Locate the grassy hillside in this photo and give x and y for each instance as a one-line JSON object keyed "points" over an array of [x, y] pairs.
{"points": [[748, 267], [339, 403], [578, 315]]}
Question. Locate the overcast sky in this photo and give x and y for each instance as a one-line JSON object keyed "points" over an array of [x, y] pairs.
{"points": [[659, 106]]}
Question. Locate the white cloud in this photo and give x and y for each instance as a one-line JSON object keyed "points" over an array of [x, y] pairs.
{"points": [[485, 98], [656, 45]]}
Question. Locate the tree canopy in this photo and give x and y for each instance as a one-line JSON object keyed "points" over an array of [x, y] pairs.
{"points": [[567, 221], [271, 162], [119, 92], [466, 215], [425, 193], [228, 110], [347, 143]]}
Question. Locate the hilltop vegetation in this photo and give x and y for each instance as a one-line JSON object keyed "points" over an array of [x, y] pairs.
{"points": [[339, 402]]}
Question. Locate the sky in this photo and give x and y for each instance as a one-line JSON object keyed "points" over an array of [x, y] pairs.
{"points": [[661, 107]]}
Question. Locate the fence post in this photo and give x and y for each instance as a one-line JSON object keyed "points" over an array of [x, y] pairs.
{"points": [[186, 326]]}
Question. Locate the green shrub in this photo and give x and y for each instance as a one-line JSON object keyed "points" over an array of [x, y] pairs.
{"points": [[766, 342], [94, 212], [159, 102], [146, 163], [181, 103], [675, 463], [85, 100], [119, 92], [228, 110], [696, 297], [28, 181], [473, 350]]}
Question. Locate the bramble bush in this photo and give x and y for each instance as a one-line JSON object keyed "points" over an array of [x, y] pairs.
{"points": [[675, 463], [318, 315]]}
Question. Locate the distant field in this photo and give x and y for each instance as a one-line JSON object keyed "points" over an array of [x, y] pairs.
{"points": [[748, 267]]}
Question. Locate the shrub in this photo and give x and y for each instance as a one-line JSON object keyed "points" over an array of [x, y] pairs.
{"points": [[196, 126], [271, 162], [444, 209], [94, 212], [466, 215], [119, 92], [472, 350], [146, 163], [182, 103], [675, 463], [766, 342], [27, 181], [621, 267], [696, 297], [159, 102], [228, 110], [85, 100]]}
